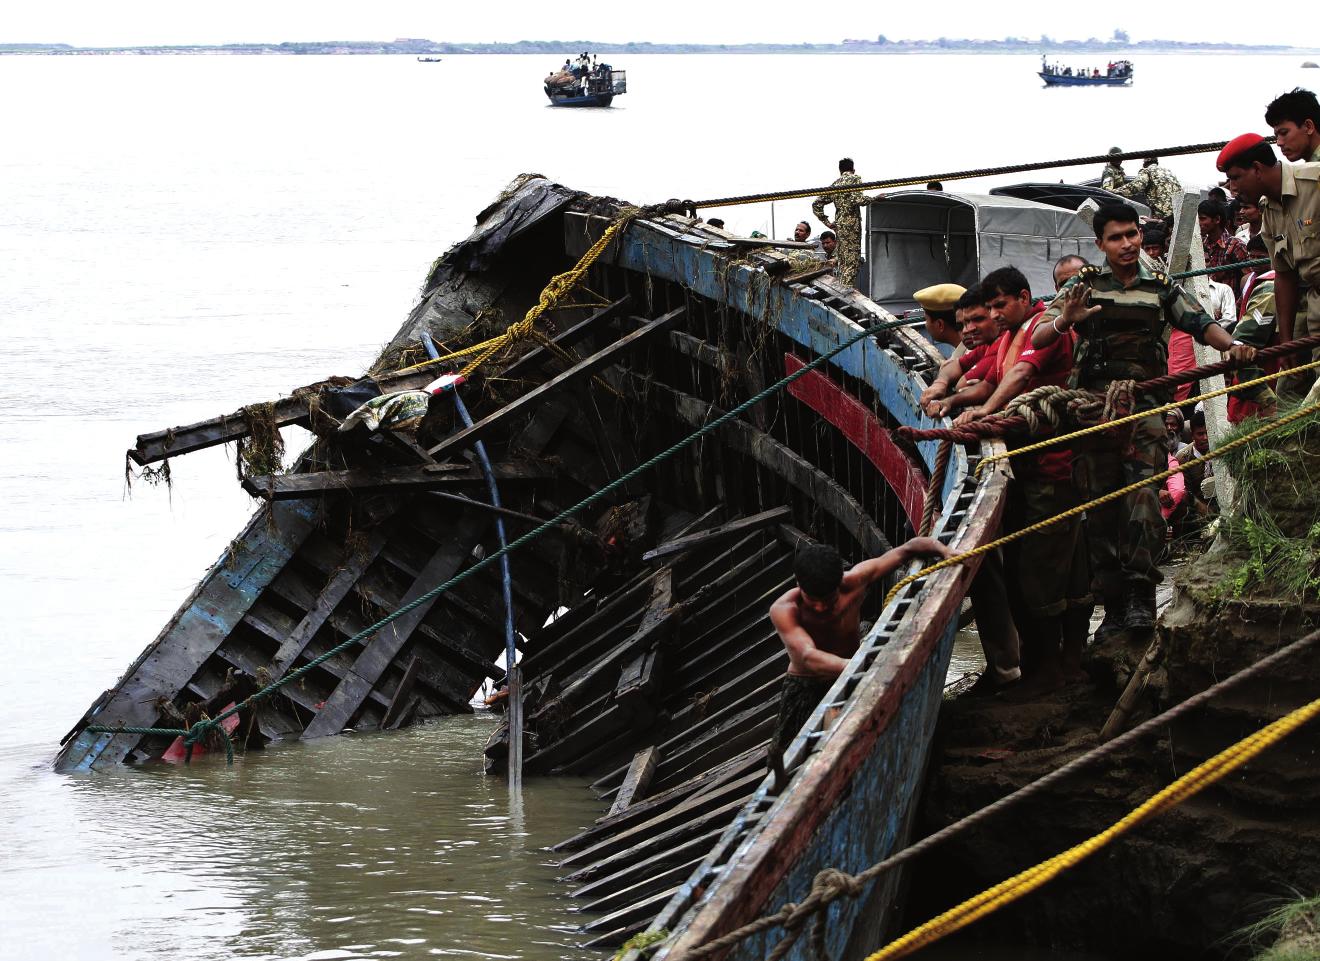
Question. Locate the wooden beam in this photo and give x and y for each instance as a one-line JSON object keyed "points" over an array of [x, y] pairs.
{"points": [[745, 439], [335, 590], [770, 242], [394, 713], [716, 534], [637, 780], [361, 480], [380, 649], [533, 359], [463, 439], [173, 441]]}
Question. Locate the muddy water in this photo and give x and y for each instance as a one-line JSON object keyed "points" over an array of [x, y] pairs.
{"points": [[352, 847]]}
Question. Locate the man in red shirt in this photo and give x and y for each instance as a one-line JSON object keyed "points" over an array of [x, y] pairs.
{"points": [[988, 592], [945, 394], [1052, 583]]}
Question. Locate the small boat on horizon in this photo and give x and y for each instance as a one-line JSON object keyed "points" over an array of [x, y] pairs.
{"points": [[429, 59], [585, 83], [1117, 73]]}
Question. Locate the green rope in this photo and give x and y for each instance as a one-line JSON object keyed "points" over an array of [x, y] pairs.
{"points": [[1232, 265], [193, 735]]}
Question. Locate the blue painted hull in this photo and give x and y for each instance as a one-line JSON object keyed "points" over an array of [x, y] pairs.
{"points": [[1054, 80]]}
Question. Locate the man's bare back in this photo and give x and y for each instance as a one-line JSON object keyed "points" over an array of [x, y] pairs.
{"points": [[822, 633]]}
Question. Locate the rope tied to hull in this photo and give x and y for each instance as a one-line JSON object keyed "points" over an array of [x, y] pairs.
{"points": [[1026, 412], [1105, 499]]}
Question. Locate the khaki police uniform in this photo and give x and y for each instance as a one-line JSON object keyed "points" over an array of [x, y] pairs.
{"points": [[1291, 230]]}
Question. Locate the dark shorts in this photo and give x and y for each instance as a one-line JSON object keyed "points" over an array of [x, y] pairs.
{"points": [[797, 699]]}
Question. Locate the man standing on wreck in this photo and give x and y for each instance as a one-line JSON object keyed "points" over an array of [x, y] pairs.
{"points": [[847, 222], [819, 622]]}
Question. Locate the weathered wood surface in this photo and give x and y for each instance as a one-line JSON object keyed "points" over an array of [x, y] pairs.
{"points": [[395, 710], [395, 480], [463, 439], [765, 450], [379, 650], [637, 780], [335, 590], [717, 534], [174, 441]]}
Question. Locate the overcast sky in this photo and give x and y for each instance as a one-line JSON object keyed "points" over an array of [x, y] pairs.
{"points": [[110, 23]]}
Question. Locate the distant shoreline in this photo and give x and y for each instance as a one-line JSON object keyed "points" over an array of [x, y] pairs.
{"points": [[558, 48]]}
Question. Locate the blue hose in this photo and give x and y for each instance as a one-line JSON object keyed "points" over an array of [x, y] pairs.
{"points": [[510, 648]]}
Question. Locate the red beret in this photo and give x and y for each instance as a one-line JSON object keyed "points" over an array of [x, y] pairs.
{"points": [[1235, 147]]}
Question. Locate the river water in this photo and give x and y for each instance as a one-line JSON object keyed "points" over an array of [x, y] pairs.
{"points": [[183, 235]]}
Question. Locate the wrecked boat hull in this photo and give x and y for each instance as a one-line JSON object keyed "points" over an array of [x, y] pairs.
{"points": [[660, 677]]}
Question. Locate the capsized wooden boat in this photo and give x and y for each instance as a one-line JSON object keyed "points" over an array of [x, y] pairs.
{"points": [[649, 661]]}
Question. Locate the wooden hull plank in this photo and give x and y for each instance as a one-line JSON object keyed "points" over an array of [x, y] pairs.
{"points": [[395, 480], [463, 439], [381, 649]]}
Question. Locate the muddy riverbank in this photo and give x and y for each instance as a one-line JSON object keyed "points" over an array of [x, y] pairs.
{"points": [[1187, 883]]}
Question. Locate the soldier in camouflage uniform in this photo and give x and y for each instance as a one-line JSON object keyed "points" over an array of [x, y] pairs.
{"points": [[1161, 187], [1119, 311], [847, 222], [1113, 175]]}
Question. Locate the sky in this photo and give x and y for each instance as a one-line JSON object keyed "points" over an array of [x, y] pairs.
{"points": [[153, 22]]}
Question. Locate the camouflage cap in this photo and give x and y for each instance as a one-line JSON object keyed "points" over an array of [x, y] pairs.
{"points": [[1115, 149]]}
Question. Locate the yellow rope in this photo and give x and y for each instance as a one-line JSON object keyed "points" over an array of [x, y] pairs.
{"points": [[1006, 892], [1141, 415], [1107, 498], [557, 289]]}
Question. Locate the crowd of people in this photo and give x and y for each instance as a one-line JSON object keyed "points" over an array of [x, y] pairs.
{"points": [[577, 74], [1105, 323], [1115, 68]]}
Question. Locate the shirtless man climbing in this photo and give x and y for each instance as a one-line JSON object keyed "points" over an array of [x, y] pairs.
{"points": [[819, 622]]}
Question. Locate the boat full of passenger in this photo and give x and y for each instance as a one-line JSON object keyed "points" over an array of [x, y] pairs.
{"points": [[585, 82], [1117, 73]]}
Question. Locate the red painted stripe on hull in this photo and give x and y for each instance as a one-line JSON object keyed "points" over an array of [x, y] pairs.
{"points": [[864, 431]]}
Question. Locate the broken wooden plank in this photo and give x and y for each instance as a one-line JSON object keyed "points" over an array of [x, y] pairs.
{"points": [[641, 869], [662, 880], [463, 439], [394, 712], [637, 780], [362, 480], [716, 534], [173, 441]]}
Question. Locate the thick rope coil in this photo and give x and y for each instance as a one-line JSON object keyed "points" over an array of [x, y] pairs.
{"points": [[931, 505]]}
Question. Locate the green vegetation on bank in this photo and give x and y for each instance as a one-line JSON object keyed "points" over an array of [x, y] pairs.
{"points": [[1273, 534], [1294, 929]]}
